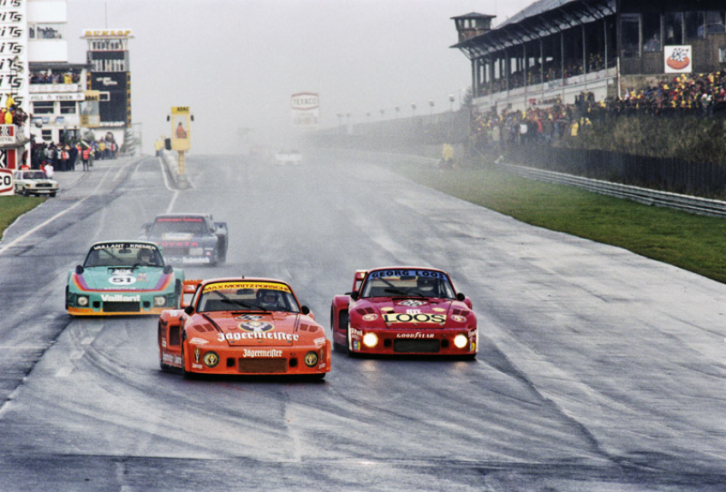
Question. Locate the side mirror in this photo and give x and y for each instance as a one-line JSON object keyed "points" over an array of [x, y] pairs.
{"points": [[460, 296], [79, 269], [168, 269], [355, 296], [189, 310], [305, 310]]}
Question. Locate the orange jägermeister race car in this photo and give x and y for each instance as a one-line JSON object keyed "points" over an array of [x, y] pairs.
{"points": [[239, 326]]}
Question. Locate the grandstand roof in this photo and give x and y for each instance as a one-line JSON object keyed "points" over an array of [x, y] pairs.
{"points": [[540, 19], [535, 9]]}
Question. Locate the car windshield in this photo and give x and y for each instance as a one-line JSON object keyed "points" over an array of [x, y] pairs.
{"points": [[408, 283], [179, 225], [34, 175], [247, 296], [123, 254]]}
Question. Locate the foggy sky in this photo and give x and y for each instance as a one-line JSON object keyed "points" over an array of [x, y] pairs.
{"points": [[235, 63]]}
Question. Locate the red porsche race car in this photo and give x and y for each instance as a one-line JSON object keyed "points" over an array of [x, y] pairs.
{"points": [[404, 310], [239, 326]]}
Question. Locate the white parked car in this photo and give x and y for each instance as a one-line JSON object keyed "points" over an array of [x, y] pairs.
{"points": [[288, 157], [34, 182]]}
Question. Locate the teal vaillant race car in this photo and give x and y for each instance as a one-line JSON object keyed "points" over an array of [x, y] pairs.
{"points": [[123, 278]]}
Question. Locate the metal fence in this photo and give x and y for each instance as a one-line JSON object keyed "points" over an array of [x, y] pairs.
{"points": [[672, 175]]}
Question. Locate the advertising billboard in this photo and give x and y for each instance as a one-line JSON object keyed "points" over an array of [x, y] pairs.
{"points": [[305, 110], [181, 135], [678, 59]]}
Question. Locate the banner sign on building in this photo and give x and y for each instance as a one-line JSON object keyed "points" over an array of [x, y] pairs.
{"points": [[181, 134], [90, 115], [305, 110], [7, 183], [7, 134], [678, 59], [14, 51]]}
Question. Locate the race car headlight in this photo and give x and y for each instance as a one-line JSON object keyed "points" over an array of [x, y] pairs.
{"points": [[370, 340], [159, 301], [460, 341], [311, 359], [210, 359], [82, 301]]}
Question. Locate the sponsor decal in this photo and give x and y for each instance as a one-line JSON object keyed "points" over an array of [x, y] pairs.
{"points": [[197, 355], [370, 317], [99, 247], [249, 317], [256, 326], [356, 345], [458, 319], [406, 273], [320, 341], [210, 359], [261, 353], [244, 285], [163, 342], [412, 303], [177, 244], [418, 334], [413, 311], [198, 341], [439, 310], [120, 298], [197, 366], [142, 277], [171, 359], [387, 309], [234, 337], [180, 219], [414, 318], [356, 333]]}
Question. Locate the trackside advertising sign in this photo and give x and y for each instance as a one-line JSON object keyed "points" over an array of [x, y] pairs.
{"points": [[305, 110], [7, 184], [678, 59]]}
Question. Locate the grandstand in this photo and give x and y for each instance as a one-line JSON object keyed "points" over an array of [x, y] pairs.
{"points": [[555, 50]]}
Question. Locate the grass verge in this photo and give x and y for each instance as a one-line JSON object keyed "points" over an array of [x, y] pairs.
{"points": [[691, 242], [12, 207]]}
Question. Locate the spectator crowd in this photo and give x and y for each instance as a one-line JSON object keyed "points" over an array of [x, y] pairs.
{"points": [[702, 94], [51, 157]]}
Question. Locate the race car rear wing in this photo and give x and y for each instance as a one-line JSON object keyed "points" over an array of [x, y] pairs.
{"points": [[188, 289]]}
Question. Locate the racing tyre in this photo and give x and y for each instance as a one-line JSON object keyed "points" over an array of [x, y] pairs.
{"points": [[177, 294], [342, 321], [52, 195], [185, 374]]}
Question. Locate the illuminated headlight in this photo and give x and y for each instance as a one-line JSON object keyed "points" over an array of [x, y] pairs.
{"points": [[82, 301], [159, 301], [311, 359], [460, 341], [370, 340], [210, 359], [196, 251]]}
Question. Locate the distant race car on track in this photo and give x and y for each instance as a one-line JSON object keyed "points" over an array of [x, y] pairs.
{"points": [[123, 277], [242, 326], [404, 310], [189, 239], [292, 157]]}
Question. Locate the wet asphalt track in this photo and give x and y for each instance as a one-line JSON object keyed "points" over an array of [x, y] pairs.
{"points": [[599, 370]]}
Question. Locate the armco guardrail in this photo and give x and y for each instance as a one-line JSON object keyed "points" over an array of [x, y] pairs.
{"points": [[687, 203]]}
